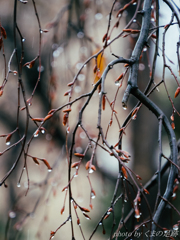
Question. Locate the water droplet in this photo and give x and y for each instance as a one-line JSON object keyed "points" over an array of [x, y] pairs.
{"points": [[40, 69], [141, 67], [82, 135], [41, 31], [174, 195], [134, 3], [75, 174], [93, 195], [175, 227], [134, 118], [98, 16], [120, 15], [77, 89], [36, 133], [137, 216], [52, 237], [125, 200], [134, 20], [117, 83], [108, 43], [79, 149], [152, 19], [145, 49], [79, 65], [100, 223], [8, 143], [124, 106], [80, 34], [70, 219], [91, 170], [18, 184], [12, 214], [29, 104], [24, 168], [152, 6], [43, 131], [23, 40], [81, 77], [50, 170], [143, 225]]}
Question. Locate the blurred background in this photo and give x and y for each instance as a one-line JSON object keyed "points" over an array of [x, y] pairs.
{"points": [[75, 32]]}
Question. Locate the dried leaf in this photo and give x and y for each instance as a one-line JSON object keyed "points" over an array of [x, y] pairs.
{"points": [[67, 93], [30, 64], [78, 221], [8, 138], [146, 191], [87, 165], [124, 172], [84, 209], [103, 102], [177, 92], [76, 164], [67, 110], [173, 125], [48, 116], [127, 30], [47, 164], [86, 216], [62, 210], [106, 216], [65, 119], [79, 155], [35, 160], [38, 119]]}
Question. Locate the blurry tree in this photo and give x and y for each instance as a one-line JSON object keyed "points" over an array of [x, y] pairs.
{"points": [[65, 85]]}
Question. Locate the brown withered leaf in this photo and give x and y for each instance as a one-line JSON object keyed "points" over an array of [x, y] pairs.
{"points": [[84, 209], [124, 172], [177, 92], [30, 64], [47, 164], [86, 216], [76, 164], [79, 155], [8, 138], [62, 210], [103, 102], [35, 160], [38, 119]]}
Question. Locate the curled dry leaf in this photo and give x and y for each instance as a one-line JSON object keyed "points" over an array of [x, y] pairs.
{"points": [[48, 116], [8, 138], [76, 164], [173, 125], [124, 172], [86, 216], [146, 191], [47, 164], [35, 160], [84, 209], [106, 216], [79, 155], [30, 64], [65, 119], [62, 210], [38, 119], [87, 165], [177, 92], [78, 221], [103, 102]]}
